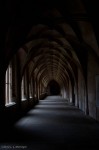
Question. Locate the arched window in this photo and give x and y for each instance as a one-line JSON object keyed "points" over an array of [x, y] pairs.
{"points": [[8, 86], [30, 90], [23, 88]]}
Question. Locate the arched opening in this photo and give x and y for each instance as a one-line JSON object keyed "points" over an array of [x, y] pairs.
{"points": [[53, 88]]}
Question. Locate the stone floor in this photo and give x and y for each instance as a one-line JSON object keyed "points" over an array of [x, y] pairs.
{"points": [[53, 124]]}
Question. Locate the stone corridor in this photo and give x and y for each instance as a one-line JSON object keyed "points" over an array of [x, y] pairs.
{"points": [[54, 124]]}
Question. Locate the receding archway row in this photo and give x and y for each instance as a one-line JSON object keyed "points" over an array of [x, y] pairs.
{"points": [[45, 51], [60, 49], [58, 54], [51, 43], [46, 48], [52, 66]]}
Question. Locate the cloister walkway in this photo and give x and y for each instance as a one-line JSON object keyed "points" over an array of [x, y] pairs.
{"points": [[55, 124]]}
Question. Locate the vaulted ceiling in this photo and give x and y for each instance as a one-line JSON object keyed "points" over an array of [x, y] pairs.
{"points": [[55, 35]]}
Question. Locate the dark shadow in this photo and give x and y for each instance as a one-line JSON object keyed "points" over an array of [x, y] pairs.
{"points": [[53, 88]]}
